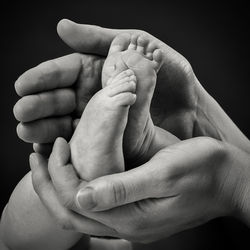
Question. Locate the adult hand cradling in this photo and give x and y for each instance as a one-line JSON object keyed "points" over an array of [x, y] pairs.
{"points": [[182, 186], [188, 188]]}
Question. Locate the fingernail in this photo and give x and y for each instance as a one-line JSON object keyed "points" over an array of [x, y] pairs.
{"points": [[85, 198], [33, 160]]}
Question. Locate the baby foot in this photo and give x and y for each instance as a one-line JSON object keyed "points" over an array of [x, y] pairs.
{"points": [[144, 57], [96, 146]]}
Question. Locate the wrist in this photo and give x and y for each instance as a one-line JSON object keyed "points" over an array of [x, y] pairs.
{"points": [[211, 120], [237, 182], [242, 201], [205, 122]]}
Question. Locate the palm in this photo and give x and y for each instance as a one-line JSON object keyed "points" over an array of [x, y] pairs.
{"points": [[174, 99], [88, 81]]}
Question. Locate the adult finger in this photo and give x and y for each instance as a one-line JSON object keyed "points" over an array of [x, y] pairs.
{"points": [[66, 184], [57, 73], [66, 181], [43, 149], [57, 102], [146, 181], [46, 130], [155, 179], [86, 38], [65, 218], [90, 38], [63, 175]]}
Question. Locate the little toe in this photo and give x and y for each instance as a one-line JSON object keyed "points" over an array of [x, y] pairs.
{"points": [[151, 47], [149, 55], [149, 50], [133, 42], [129, 86], [123, 74], [141, 44], [157, 59], [120, 43]]}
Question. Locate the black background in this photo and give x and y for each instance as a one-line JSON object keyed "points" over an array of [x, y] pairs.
{"points": [[214, 38]]}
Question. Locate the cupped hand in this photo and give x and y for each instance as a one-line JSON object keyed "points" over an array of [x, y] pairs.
{"points": [[56, 91], [181, 187]]}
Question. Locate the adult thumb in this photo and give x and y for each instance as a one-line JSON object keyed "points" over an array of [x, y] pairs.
{"points": [[114, 190], [86, 38], [154, 179]]}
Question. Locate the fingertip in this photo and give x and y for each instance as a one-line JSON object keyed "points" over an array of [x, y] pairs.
{"points": [[86, 38], [61, 152], [17, 111], [23, 132], [60, 141], [36, 160], [43, 149], [63, 25], [18, 87], [33, 160], [26, 109]]}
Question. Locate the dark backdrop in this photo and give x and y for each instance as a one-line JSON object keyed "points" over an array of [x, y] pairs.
{"points": [[214, 38]]}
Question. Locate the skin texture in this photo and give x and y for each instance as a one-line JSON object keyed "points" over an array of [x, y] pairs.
{"points": [[96, 145], [144, 57], [180, 104]]}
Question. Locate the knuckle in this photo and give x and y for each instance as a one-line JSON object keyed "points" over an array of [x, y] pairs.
{"points": [[64, 222], [49, 69], [65, 200], [119, 192]]}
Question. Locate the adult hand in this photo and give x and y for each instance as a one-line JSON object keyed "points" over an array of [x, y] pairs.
{"points": [[57, 90], [181, 187]]}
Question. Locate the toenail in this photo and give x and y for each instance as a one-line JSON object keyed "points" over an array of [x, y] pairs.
{"points": [[129, 71], [132, 78], [133, 84]]}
